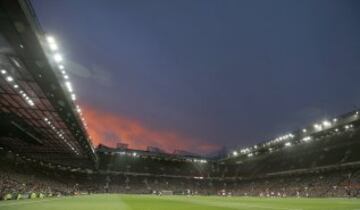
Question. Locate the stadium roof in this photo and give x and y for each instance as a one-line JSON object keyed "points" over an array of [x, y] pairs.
{"points": [[344, 123], [39, 118], [151, 154]]}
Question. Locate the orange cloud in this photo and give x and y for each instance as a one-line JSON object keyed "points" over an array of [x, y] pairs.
{"points": [[109, 129]]}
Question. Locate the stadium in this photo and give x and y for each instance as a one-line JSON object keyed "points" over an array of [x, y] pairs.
{"points": [[48, 160]]}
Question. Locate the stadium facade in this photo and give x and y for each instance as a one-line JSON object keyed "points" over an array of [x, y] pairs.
{"points": [[43, 134]]}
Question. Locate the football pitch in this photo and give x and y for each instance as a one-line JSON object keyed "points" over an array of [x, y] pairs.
{"points": [[150, 202]]}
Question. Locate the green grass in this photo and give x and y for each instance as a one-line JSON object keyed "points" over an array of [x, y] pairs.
{"points": [[149, 202]]}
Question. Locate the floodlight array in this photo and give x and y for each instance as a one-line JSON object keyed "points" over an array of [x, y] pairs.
{"points": [[10, 79], [59, 61], [304, 135], [60, 133]]}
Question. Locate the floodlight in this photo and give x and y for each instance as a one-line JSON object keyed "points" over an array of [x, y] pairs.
{"points": [[326, 123], [307, 138], [69, 87], [50, 39], [9, 79], [53, 46], [58, 58]]}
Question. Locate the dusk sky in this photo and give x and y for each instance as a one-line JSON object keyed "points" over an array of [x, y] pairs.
{"points": [[201, 74]]}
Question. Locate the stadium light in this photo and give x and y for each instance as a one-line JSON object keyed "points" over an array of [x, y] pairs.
{"points": [[50, 39], [31, 103], [9, 79], [246, 150], [287, 144], [53, 46], [318, 127], [307, 138], [16, 86], [326, 123], [201, 161], [69, 87], [3, 71], [335, 120], [304, 130], [235, 153], [58, 58]]}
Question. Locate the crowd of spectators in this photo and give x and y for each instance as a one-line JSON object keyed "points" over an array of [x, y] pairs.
{"points": [[326, 184], [17, 179], [323, 168]]}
